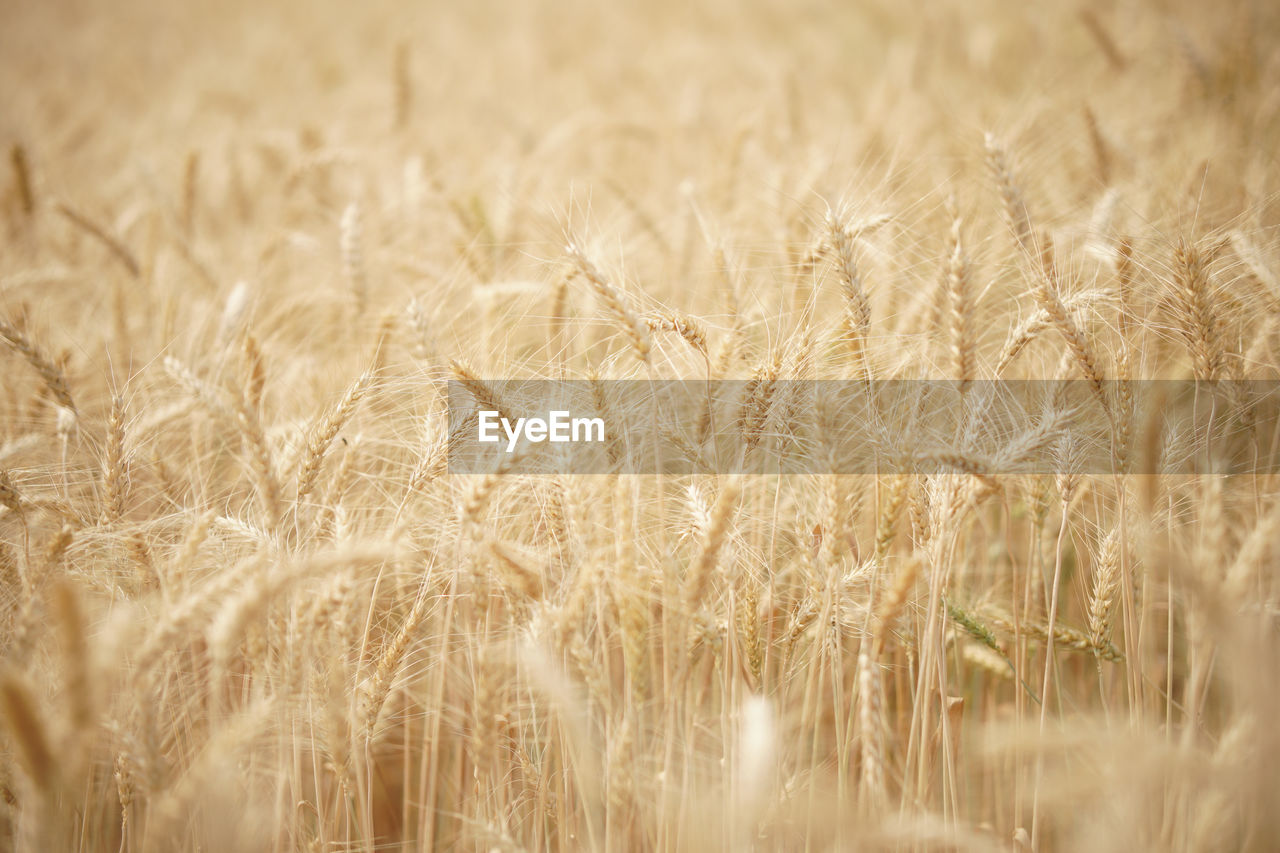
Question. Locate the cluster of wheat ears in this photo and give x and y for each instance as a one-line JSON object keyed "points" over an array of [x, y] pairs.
{"points": [[244, 604]]}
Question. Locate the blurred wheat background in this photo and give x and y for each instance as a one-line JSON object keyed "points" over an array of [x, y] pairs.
{"points": [[244, 605]]}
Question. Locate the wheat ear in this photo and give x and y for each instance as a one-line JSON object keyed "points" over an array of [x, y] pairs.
{"points": [[22, 179], [212, 398], [857, 315], [963, 351], [75, 651], [255, 439], [1015, 206], [687, 327], [637, 333], [190, 192], [55, 380], [871, 729], [1106, 581], [1197, 319], [402, 86], [29, 734], [713, 539], [113, 244], [115, 466], [389, 663], [1103, 39], [324, 431], [10, 497], [1101, 153], [1048, 295], [351, 243], [485, 395]]}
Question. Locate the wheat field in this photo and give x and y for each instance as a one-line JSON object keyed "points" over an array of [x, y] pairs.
{"points": [[246, 603]]}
